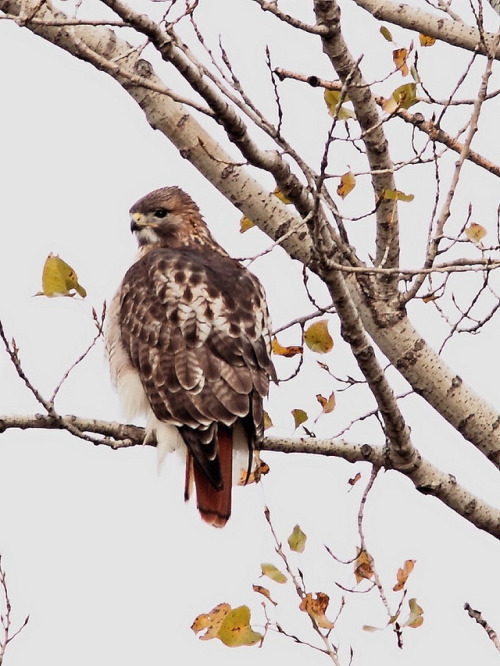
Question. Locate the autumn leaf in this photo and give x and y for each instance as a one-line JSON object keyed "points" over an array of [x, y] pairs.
{"points": [[335, 109], [211, 621], [415, 618], [428, 298], [363, 566], [297, 540], [287, 352], [273, 573], [402, 98], [402, 575], [386, 33], [299, 417], [317, 337], [282, 197], [316, 608], [347, 184], [475, 232], [268, 422], [354, 480], [235, 629], [425, 40], [399, 57], [245, 224], [59, 279], [265, 592], [397, 195], [260, 469], [327, 404]]}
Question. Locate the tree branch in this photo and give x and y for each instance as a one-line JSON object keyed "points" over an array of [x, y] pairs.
{"points": [[456, 33], [427, 478]]}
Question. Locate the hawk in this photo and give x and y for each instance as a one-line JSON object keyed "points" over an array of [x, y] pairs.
{"points": [[188, 342]]}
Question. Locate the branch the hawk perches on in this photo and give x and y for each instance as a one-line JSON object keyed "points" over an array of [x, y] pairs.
{"points": [[188, 341]]}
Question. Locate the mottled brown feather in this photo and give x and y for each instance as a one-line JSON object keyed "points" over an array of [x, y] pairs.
{"points": [[195, 326]]}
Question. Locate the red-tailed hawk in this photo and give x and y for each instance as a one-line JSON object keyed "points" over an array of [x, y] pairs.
{"points": [[188, 341]]}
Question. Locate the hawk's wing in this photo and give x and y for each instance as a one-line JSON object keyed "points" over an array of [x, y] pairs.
{"points": [[196, 328]]}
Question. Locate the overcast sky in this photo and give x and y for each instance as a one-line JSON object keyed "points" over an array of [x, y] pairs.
{"points": [[99, 549]]}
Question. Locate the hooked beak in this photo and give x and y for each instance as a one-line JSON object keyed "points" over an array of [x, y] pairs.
{"points": [[137, 222]]}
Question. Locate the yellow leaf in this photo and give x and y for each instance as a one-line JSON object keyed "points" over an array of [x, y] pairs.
{"points": [[265, 592], [299, 417], [273, 573], [363, 567], [402, 98], [386, 33], [425, 40], [268, 423], [429, 298], [210, 621], [245, 224], [316, 608], [416, 615], [317, 337], [59, 279], [475, 232], [335, 109], [297, 540], [402, 575], [347, 184], [328, 404], [282, 197], [287, 352], [396, 195], [235, 629], [399, 57]]}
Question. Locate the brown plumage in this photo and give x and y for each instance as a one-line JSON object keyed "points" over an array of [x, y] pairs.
{"points": [[188, 341]]}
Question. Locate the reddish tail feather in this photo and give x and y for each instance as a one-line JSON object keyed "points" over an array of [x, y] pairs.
{"points": [[214, 505]]}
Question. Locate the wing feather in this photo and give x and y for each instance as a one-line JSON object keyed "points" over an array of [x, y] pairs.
{"points": [[195, 325]]}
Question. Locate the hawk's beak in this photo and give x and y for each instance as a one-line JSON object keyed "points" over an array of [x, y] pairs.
{"points": [[137, 222]]}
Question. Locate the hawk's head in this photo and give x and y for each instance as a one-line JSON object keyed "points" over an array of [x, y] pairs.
{"points": [[168, 217]]}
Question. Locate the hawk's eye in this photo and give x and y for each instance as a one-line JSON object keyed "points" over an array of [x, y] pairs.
{"points": [[161, 212]]}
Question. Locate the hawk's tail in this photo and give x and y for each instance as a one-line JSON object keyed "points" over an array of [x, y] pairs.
{"points": [[214, 504]]}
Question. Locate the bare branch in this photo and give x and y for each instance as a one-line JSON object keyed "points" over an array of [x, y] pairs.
{"points": [[477, 615]]}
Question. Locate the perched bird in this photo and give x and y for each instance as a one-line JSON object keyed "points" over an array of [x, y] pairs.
{"points": [[188, 342]]}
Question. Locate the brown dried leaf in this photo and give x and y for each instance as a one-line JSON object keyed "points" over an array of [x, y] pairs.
{"points": [[363, 566], [354, 480], [265, 592], [328, 404], [399, 57], [402, 575], [316, 608]]}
